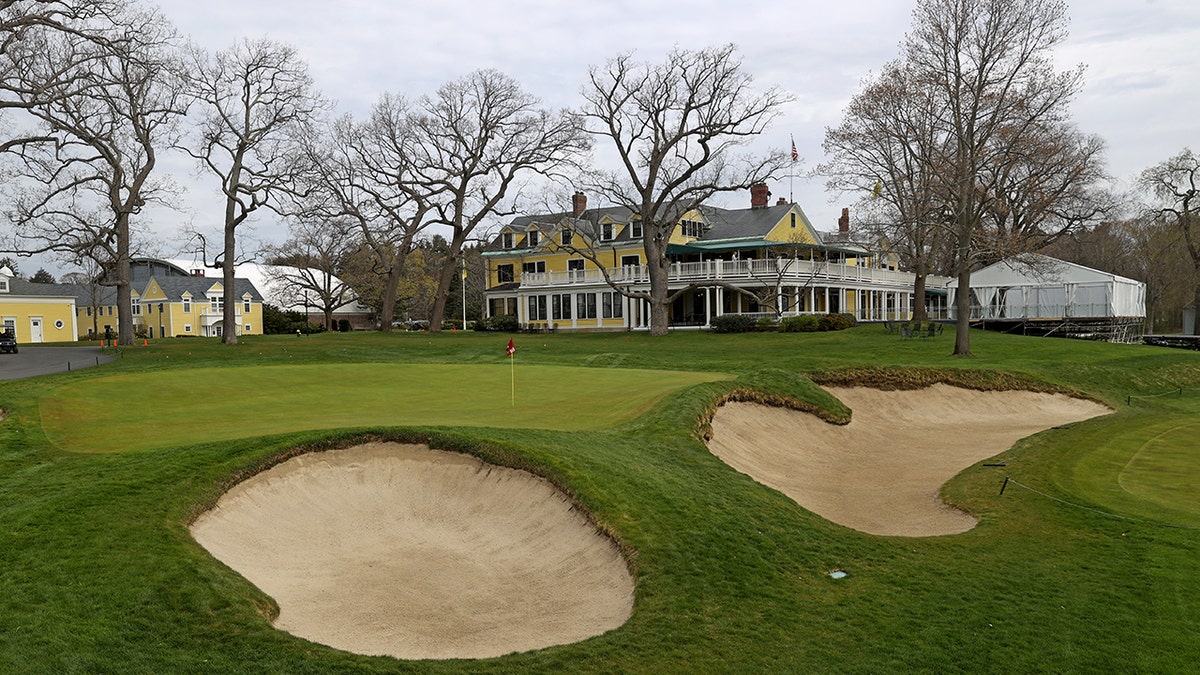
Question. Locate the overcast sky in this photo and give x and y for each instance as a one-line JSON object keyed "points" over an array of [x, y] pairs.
{"points": [[1140, 92]]}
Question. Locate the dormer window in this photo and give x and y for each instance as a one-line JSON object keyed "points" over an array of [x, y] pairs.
{"points": [[635, 229], [533, 238], [606, 232], [568, 238], [506, 240], [3, 285], [692, 228]]}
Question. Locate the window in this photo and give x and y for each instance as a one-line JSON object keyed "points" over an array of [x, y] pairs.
{"points": [[137, 307], [586, 304], [216, 303], [89, 311], [611, 302], [575, 265], [692, 228], [793, 221], [533, 238], [537, 308], [3, 285], [246, 307], [568, 238], [187, 304], [504, 274], [506, 240], [535, 267], [160, 305], [630, 261], [560, 306], [110, 310], [187, 327], [606, 232], [635, 229], [247, 328]]}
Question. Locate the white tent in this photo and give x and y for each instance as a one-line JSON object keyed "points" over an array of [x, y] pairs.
{"points": [[1035, 286]]}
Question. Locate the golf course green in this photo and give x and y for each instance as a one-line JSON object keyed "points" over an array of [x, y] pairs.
{"points": [[211, 404], [1088, 562]]}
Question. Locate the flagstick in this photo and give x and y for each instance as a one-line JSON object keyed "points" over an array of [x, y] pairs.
{"points": [[512, 360]]}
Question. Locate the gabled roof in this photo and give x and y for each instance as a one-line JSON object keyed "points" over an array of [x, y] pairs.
{"points": [[23, 287], [1032, 269], [743, 223], [174, 287]]}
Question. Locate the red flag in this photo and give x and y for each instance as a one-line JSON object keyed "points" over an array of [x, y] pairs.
{"points": [[512, 349], [795, 155]]}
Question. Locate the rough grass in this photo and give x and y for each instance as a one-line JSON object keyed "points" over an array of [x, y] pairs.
{"points": [[100, 575]]}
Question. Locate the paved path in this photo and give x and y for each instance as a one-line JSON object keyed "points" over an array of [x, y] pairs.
{"points": [[31, 361]]}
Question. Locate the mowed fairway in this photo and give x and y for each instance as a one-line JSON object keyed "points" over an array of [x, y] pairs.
{"points": [[184, 407]]}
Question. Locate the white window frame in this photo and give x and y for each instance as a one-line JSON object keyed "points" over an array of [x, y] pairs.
{"points": [[635, 229], [533, 238], [608, 232], [506, 240]]}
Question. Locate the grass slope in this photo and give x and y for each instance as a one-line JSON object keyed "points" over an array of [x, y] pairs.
{"points": [[100, 575]]}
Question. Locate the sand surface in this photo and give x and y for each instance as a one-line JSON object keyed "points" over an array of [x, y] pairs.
{"points": [[400, 550], [882, 472]]}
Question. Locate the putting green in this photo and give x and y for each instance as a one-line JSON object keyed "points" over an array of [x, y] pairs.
{"points": [[1166, 469], [1145, 467], [183, 407]]}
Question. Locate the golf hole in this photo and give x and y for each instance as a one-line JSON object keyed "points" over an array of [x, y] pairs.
{"points": [[400, 550]]}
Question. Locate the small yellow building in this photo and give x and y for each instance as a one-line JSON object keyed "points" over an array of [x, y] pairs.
{"points": [[36, 312]]}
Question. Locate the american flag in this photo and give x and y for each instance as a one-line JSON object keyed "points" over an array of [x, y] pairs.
{"points": [[795, 155]]}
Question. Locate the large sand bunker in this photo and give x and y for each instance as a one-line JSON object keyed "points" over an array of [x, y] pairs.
{"points": [[882, 472], [400, 550]]}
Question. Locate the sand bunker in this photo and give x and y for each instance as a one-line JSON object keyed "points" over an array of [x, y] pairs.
{"points": [[400, 550], [882, 472]]}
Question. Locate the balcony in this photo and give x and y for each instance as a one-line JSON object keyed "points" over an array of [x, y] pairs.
{"points": [[769, 271]]}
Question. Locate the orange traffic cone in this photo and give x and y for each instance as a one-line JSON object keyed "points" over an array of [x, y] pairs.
{"points": [[144, 343]]}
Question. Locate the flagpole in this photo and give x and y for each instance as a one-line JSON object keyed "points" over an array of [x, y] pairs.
{"points": [[792, 172]]}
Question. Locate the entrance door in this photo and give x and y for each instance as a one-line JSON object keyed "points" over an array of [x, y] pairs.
{"points": [[35, 329]]}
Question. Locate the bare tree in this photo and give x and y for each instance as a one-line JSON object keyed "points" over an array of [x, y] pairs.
{"points": [[995, 93], [881, 153], [473, 140], [364, 172], [307, 266], [1048, 183], [257, 99], [1173, 185], [78, 193], [676, 127]]}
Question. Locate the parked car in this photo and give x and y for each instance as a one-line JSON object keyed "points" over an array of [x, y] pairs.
{"points": [[8, 342]]}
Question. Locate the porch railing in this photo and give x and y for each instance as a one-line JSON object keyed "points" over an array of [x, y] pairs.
{"points": [[768, 270]]}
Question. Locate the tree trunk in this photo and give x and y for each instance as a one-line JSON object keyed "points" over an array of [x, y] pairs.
{"points": [[120, 277], [658, 267], [449, 269], [920, 315], [229, 312], [962, 306], [391, 288]]}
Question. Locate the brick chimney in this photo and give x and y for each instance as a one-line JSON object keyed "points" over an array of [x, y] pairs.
{"points": [[781, 202], [844, 223], [759, 196], [578, 204]]}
